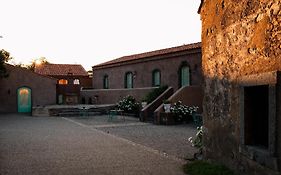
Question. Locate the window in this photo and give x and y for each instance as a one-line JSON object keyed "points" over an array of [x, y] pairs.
{"points": [[129, 80], [184, 75], [63, 81], [156, 78], [60, 99], [105, 82], [76, 81], [258, 112], [256, 116]]}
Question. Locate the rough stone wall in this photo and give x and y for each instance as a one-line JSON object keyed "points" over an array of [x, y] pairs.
{"points": [[239, 38]]}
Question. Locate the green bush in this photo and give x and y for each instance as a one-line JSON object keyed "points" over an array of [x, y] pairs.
{"points": [[129, 104], [205, 168], [151, 96]]}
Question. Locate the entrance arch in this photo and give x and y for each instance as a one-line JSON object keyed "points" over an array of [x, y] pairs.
{"points": [[24, 99]]}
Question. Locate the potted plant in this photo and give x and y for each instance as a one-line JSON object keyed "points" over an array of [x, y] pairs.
{"points": [[167, 106], [143, 103]]}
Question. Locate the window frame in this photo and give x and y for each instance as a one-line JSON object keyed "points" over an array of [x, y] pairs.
{"points": [[75, 81], [154, 78], [126, 80], [263, 156], [184, 64], [105, 82], [65, 81]]}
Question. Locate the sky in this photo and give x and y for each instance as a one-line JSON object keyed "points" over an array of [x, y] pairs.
{"points": [[90, 32]]}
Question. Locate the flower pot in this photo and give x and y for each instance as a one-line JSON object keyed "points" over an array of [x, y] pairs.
{"points": [[143, 104], [167, 108]]}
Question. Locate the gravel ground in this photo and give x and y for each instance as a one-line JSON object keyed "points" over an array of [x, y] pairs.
{"points": [[60, 146], [172, 140]]}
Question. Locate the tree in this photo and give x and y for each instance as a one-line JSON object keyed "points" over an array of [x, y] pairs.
{"points": [[35, 62], [4, 57]]}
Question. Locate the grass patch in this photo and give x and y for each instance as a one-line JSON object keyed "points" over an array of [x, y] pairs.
{"points": [[205, 168]]}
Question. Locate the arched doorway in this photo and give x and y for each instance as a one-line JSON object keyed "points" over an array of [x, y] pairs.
{"points": [[24, 99]]}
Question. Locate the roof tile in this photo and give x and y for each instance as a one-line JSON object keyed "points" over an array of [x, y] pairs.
{"points": [[150, 54], [61, 69]]}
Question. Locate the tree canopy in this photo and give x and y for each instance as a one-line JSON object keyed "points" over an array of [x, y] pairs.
{"points": [[4, 57], [38, 61]]}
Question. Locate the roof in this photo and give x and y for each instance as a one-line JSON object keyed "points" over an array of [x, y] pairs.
{"points": [[150, 54], [61, 70], [27, 70]]}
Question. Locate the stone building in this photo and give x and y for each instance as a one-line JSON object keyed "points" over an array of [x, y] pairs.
{"points": [[23, 89], [70, 79], [241, 49], [138, 74]]}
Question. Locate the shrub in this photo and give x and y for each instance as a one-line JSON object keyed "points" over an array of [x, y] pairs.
{"points": [[205, 168], [151, 96], [129, 104], [183, 111]]}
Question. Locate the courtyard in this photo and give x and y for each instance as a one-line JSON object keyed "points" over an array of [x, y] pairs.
{"points": [[91, 145]]}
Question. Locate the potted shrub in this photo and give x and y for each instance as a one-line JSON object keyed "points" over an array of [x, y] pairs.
{"points": [[167, 106]]}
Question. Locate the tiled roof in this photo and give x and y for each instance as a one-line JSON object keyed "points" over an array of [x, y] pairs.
{"points": [[150, 54], [61, 69]]}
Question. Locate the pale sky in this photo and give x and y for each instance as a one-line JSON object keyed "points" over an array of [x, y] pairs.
{"points": [[90, 32]]}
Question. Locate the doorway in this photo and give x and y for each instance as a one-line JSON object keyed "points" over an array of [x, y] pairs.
{"points": [[24, 100]]}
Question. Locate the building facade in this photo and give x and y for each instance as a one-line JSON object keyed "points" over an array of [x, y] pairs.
{"points": [[175, 67], [23, 89], [70, 79], [241, 54]]}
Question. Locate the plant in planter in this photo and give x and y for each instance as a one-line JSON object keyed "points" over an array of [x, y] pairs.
{"points": [[129, 104], [167, 106]]}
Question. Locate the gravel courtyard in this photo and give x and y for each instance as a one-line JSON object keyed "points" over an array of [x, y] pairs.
{"points": [[171, 140], [91, 145]]}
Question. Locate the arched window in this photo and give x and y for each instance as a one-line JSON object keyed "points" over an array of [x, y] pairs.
{"points": [[63, 81], [156, 78], [105, 82], [184, 75], [76, 81], [129, 80]]}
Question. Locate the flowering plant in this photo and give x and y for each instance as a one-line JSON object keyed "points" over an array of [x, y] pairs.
{"points": [[183, 110], [129, 104], [197, 141]]}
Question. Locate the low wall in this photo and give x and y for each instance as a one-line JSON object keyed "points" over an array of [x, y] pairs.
{"points": [[111, 96], [189, 95]]}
